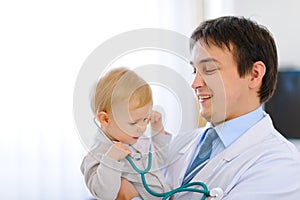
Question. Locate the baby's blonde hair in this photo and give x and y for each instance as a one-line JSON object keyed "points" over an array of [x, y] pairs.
{"points": [[121, 85]]}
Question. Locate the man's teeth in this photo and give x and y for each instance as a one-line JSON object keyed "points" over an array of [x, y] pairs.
{"points": [[205, 97]]}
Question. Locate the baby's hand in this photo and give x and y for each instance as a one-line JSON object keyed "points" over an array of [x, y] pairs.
{"points": [[156, 122], [118, 151]]}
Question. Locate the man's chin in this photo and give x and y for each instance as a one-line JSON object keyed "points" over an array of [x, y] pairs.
{"points": [[206, 115]]}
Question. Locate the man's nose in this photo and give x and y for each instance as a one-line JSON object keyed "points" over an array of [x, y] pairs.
{"points": [[198, 81]]}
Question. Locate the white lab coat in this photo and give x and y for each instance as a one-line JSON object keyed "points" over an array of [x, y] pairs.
{"points": [[261, 164]]}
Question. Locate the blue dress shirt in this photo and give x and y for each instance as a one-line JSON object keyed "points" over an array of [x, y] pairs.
{"points": [[231, 130]]}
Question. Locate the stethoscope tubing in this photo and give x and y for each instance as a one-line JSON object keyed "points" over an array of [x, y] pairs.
{"points": [[166, 195]]}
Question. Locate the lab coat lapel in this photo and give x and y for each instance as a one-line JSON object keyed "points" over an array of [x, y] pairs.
{"points": [[187, 155], [181, 156], [246, 141]]}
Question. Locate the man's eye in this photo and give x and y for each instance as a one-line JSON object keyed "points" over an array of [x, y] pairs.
{"points": [[209, 69], [132, 123]]}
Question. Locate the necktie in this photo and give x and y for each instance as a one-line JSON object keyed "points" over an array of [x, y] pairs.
{"points": [[202, 156]]}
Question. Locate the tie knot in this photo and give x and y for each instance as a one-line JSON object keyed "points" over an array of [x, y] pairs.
{"points": [[210, 136], [211, 133]]}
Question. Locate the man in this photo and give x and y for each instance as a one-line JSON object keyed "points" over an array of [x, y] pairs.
{"points": [[235, 66]]}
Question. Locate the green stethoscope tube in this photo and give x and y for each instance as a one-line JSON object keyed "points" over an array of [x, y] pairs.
{"points": [[166, 195]]}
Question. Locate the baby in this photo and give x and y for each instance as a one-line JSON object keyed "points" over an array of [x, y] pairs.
{"points": [[123, 108]]}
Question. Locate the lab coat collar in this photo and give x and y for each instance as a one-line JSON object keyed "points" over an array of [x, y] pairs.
{"points": [[246, 141]]}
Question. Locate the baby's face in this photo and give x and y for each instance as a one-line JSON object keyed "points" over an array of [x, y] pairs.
{"points": [[127, 125]]}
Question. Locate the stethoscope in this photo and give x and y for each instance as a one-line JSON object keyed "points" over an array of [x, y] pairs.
{"points": [[215, 193]]}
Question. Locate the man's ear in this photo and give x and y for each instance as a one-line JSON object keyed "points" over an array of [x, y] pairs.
{"points": [[103, 118], [257, 73]]}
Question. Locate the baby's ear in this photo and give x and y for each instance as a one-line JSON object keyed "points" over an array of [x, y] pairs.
{"points": [[103, 118]]}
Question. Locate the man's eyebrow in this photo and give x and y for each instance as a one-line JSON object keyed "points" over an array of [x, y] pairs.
{"points": [[205, 61], [208, 60]]}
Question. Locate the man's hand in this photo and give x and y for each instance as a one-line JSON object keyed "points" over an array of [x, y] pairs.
{"points": [[127, 190]]}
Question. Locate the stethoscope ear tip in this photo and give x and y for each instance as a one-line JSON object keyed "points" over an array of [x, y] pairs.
{"points": [[216, 193]]}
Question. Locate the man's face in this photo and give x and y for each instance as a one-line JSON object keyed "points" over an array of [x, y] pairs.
{"points": [[221, 92]]}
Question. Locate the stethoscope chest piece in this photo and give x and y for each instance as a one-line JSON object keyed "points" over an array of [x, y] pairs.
{"points": [[216, 193]]}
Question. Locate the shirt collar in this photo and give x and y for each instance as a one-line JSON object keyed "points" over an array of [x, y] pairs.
{"points": [[231, 130]]}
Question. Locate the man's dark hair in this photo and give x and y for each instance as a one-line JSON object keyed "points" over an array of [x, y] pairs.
{"points": [[250, 43]]}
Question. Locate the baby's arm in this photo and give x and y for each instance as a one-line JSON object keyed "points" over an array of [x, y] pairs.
{"points": [[156, 123], [160, 138], [102, 173]]}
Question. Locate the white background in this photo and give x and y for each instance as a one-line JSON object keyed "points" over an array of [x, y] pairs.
{"points": [[42, 47]]}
